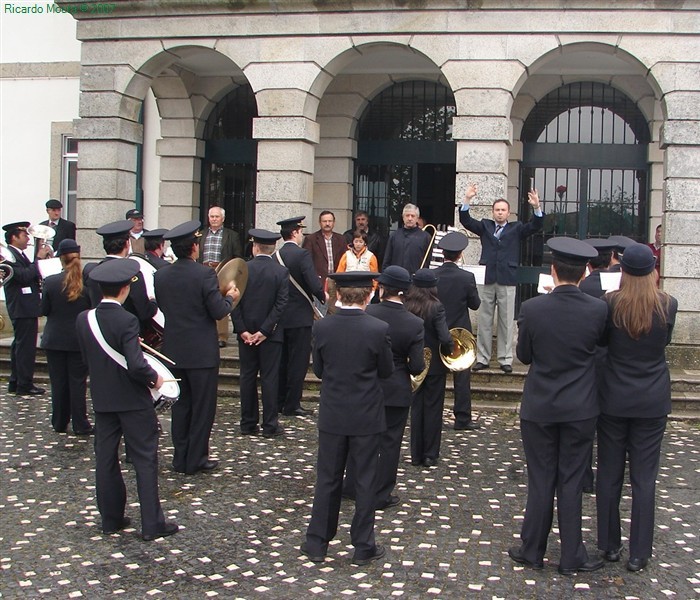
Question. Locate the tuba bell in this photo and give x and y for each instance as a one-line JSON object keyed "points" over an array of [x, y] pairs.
{"points": [[464, 353], [417, 380], [41, 234]]}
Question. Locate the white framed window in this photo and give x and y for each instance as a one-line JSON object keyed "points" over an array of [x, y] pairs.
{"points": [[69, 175]]}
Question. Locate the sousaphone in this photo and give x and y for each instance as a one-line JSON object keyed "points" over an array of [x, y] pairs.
{"points": [[464, 353], [236, 271]]}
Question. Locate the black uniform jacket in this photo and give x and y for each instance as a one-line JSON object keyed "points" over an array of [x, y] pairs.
{"points": [[298, 312], [557, 337], [591, 285], [635, 381], [188, 294], [157, 262], [137, 303], [264, 300], [406, 334], [351, 352], [22, 291], [500, 255], [59, 331], [65, 230], [113, 388], [437, 335], [457, 291]]}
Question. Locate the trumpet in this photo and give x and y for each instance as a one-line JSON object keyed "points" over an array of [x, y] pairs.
{"points": [[42, 234]]}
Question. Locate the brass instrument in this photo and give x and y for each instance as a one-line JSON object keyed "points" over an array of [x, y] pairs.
{"points": [[6, 273], [417, 380], [236, 271], [428, 252], [42, 234], [464, 353]]}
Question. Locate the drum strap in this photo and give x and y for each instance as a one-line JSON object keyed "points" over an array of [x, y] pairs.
{"points": [[317, 313], [97, 332]]}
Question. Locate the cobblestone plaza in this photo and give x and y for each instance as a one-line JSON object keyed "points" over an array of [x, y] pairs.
{"points": [[242, 525]]}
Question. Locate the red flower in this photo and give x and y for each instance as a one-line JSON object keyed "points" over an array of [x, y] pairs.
{"points": [[561, 189]]}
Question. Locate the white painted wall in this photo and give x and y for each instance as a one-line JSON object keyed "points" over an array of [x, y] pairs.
{"points": [[37, 38]]}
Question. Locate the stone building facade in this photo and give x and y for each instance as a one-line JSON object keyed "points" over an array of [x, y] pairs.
{"points": [[314, 69]]}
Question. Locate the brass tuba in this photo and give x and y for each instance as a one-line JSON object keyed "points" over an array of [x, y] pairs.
{"points": [[464, 353], [42, 234], [417, 380], [6, 273]]}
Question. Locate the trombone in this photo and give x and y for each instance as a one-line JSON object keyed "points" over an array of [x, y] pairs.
{"points": [[429, 251]]}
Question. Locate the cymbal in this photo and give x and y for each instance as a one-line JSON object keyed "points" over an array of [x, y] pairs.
{"points": [[236, 271]]}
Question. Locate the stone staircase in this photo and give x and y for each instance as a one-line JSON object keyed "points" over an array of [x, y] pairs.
{"points": [[492, 390]]}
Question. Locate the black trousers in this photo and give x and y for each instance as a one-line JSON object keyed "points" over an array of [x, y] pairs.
{"points": [[463, 397], [23, 353], [193, 418], [556, 455], [265, 359], [640, 440], [294, 364], [68, 374], [426, 418], [140, 430], [334, 452]]}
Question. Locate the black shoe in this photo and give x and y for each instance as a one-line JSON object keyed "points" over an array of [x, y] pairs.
{"points": [[32, 391], [254, 431], [612, 555], [637, 564], [417, 463], [210, 465], [298, 412], [168, 529], [471, 426], [222, 344], [379, 552], [389, 502], [317, 558], [273, 434], [12, 387], [592, 564], [89, 431], [588, 489], [479, 367], [506, 368], [430, 462], [516, 555], [126, 522]]}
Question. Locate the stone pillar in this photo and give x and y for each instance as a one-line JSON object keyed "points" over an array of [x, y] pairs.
{"points": [[180, 175], [285, 168]]}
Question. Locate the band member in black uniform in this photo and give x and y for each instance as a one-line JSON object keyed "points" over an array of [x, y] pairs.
{"points": [[189, 296], [406, 333], [557, 336], [456, 289], [429, 400], [351, 353], [155, 247], [635, 393], [64, 298], [298, 316], [122, 403], [115, 241], [591, 285], [65, 230], [620, 243], [255, 321], [22, 294]]}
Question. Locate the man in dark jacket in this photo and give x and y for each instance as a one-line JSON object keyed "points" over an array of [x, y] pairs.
{"points": [[351, 353], [65, 230], [298, 316], [375, 242], [123, 403], [408, 245], [457, 291], [326, 246], [189, 296], [500, 253]]}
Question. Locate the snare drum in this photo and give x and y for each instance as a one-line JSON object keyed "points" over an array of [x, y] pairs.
{"points": [[169, 392]]}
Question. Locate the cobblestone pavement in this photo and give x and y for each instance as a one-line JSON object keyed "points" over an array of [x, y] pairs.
{"points": [[242, 525]]}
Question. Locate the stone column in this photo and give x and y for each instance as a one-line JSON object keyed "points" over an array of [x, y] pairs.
{"points": [[285, 168], [180, 175]]}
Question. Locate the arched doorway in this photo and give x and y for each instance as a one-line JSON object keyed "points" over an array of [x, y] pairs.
{"points": [[229, 166], [406, 154]]}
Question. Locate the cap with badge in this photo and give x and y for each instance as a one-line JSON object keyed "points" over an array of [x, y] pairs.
{"points": [[115, 272], [116, 229], [453, 242], [134, 214], [354, 279], [621, 242], [571, 251], [154, 233], [68, 247], [19, 226], [263, 236], [395, 277], [53, 203], [189, 229], [425, 278], [638, 260], [601, 245], [292, 223]]}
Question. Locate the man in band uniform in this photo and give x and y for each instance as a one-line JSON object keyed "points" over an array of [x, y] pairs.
{"points": [[155, 248]]}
